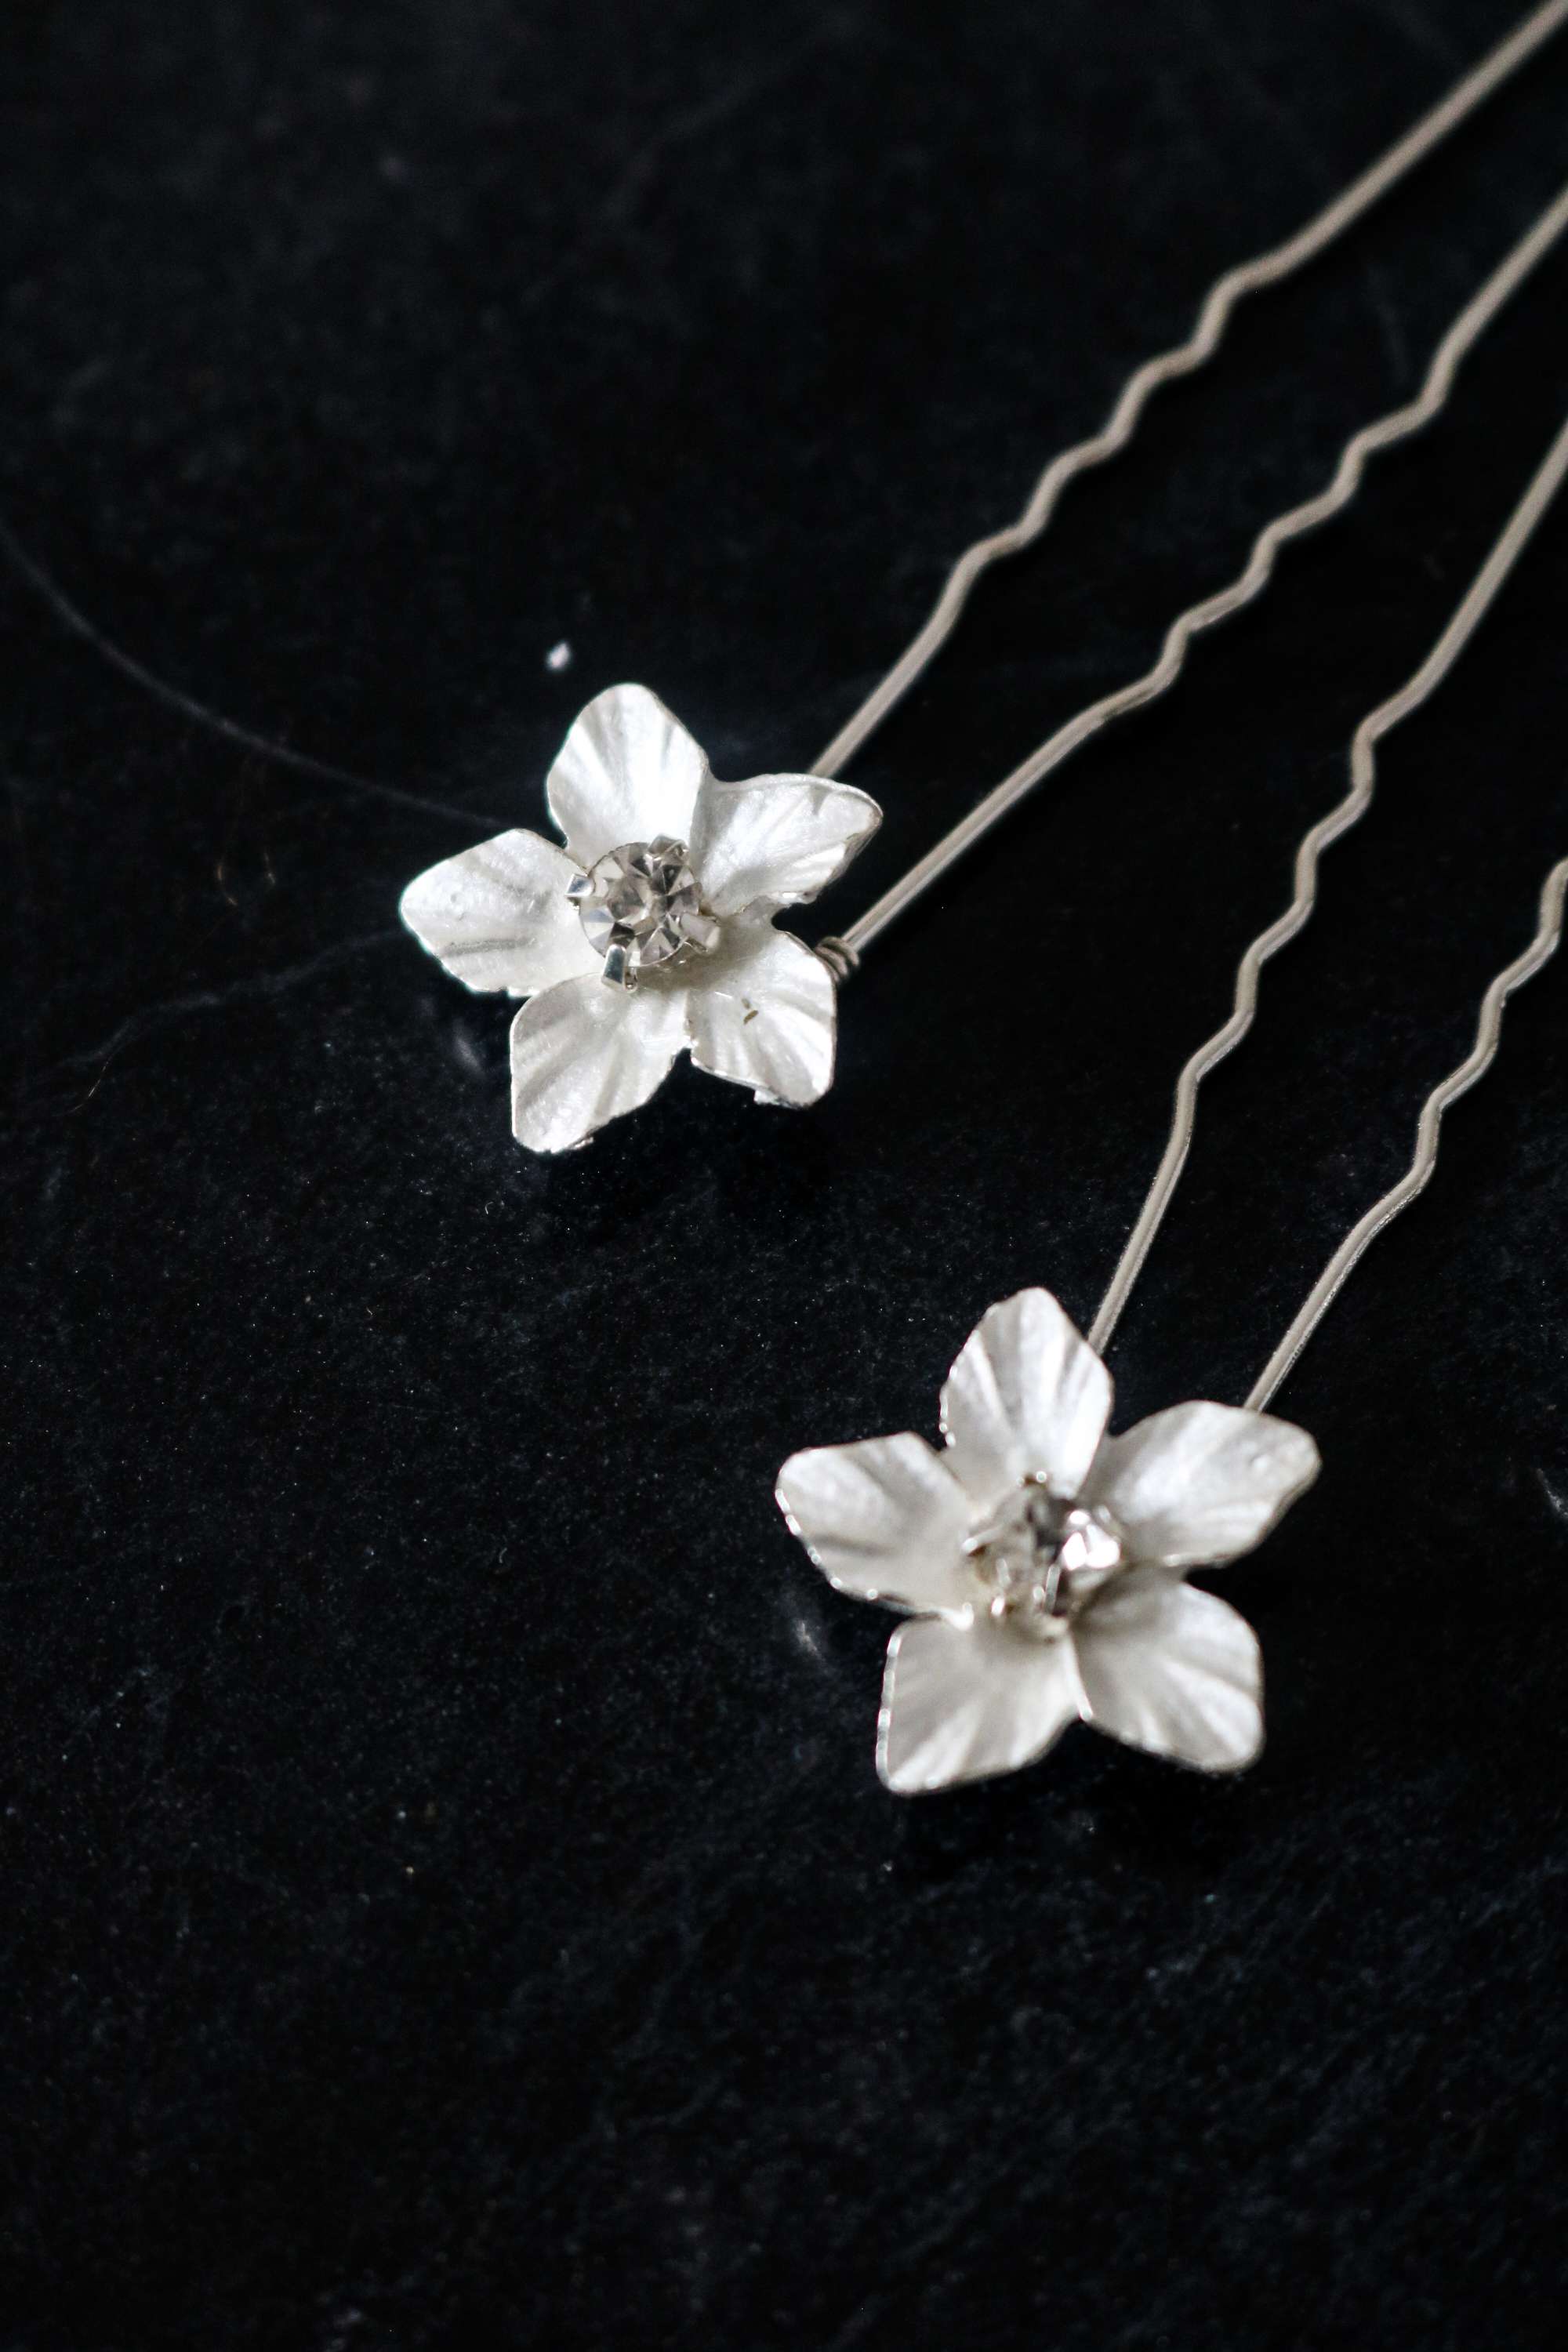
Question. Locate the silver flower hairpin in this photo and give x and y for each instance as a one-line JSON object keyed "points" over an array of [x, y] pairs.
{"points": [[1045, 1562], [668, 891], [651, 932]]}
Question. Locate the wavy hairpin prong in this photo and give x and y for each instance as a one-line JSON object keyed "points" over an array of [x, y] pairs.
{"points": [[1042, 1563], [1398, 424], [1219, 304], [1466, 618], [1428, 1130]]}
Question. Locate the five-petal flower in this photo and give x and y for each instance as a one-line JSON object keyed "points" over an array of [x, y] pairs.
{"points": [[652, 932], [1043, 1562]]}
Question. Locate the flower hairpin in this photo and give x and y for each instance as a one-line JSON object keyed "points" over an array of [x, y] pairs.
{"points": [[1044, 1563], [652, 932]]}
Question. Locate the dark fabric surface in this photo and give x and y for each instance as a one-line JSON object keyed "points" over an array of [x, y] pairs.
{"points": [[448, 1900]]}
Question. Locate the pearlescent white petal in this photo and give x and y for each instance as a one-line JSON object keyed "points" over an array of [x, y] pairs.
{"points": [[961, 1702], [497, 915], [1202, 1482], [776, 840], [884, 1520], [1027, 1395], [1175, 1671], [762, 1010], [583, 1054], [627, 772]]}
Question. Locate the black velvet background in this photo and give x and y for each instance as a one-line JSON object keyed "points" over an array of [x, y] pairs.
{"points": [[447, 1897]]}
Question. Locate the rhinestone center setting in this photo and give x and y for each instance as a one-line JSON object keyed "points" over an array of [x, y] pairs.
{"points": [[640, 906], [1041, 1558]]}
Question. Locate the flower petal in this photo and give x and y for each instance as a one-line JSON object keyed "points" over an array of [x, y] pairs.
{"points": [[583, 1054], [1027, 1396], [497, 915], [762, 1010], [778, 839], [961, 1702], [884, 1519], [1172, 1670], [1202, 1482], [627, 772]]}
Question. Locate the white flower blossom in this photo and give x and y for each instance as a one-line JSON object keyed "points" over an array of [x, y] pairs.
{"points": [[1043, 1562], [651, 933]]}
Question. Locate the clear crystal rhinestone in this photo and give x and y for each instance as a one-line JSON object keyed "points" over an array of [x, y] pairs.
{"points": [[1042, 1557], [641, 902]]}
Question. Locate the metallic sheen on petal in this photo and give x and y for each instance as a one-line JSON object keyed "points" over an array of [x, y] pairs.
{"points": [[497, 915], [1175, 1671], [763, 1011], [628, 771], [1026, 1397], [583, 1054], [1202, 1482], [962, 1703], [777, 840], [884, 1520]]}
